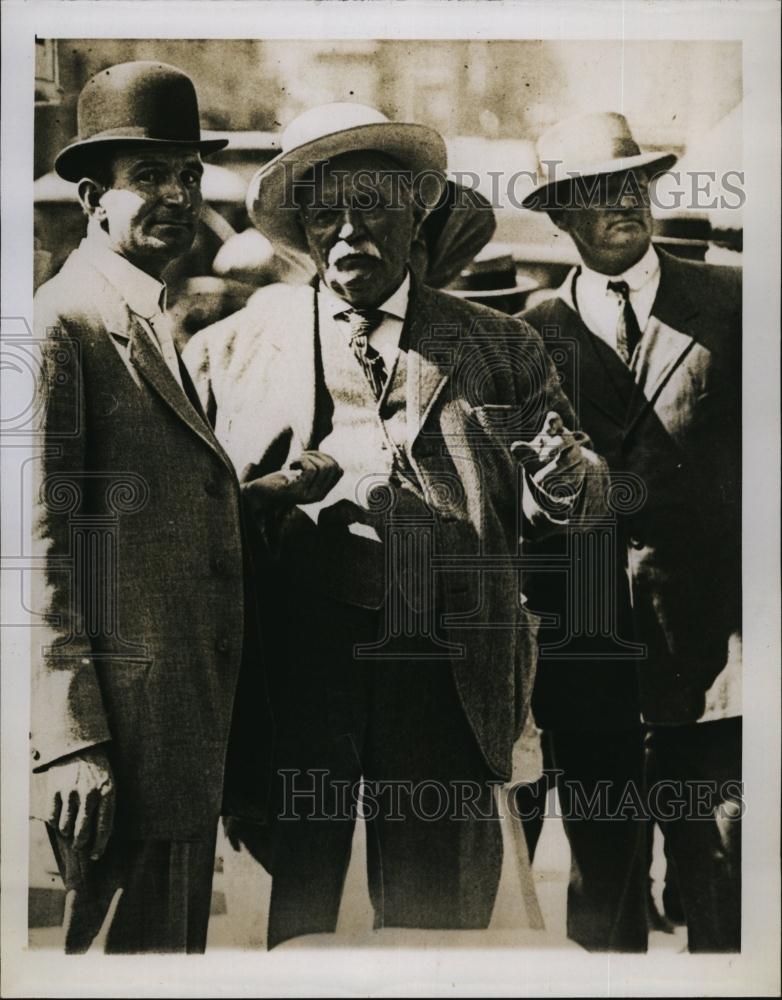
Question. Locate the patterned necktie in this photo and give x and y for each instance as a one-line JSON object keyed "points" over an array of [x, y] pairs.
{"points": [[362, 322], [628, 332]]}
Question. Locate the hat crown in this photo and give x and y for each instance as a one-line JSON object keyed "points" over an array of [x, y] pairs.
{"points": [[320, 135], [585, 141], [327, 119], [145, 99]]}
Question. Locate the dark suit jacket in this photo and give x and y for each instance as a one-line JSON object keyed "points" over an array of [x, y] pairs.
{"points": [[138, 535], [673, 444], [476, 380]]}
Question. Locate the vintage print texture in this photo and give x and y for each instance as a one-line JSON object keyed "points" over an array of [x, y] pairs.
{"points": [[383, 514]]}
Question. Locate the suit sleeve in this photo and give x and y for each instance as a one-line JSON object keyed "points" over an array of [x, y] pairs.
{"points": [[539, 389], [67, 708]]}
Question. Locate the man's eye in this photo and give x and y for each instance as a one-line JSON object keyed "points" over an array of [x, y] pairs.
{"points": [[148, 176], [378, 206], [324, 217], [191, 178]]}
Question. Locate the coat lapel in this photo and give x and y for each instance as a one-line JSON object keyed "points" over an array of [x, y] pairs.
{"points": [[144, 358], [426, 375], [296, 375], [667, 340]]}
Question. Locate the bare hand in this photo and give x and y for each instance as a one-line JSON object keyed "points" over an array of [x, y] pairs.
{"points": [[308, 479], [553, 458], [80, 795]]}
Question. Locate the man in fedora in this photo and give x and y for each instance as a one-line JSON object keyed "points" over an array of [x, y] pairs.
{"points": [[654, 349], [138, 535], [404, 652]]}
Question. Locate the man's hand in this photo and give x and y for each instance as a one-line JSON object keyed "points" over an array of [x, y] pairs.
{"points": [[81, 798], [308, 479], [553, 459]]}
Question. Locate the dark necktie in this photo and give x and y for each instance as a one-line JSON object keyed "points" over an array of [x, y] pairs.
{"points": [[361, 323], [628, 332], [190, 389]]}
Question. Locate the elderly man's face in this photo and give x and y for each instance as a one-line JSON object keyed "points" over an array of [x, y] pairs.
{"points": [[150, 203], [359, 222], [613, 230]]}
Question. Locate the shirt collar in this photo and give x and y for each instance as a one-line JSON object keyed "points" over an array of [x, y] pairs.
{"points": [[144, 295], [637, 276], [395, 305]]}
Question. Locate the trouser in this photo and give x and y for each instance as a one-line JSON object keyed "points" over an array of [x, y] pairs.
{"points": [[695, 774], [165, 899], [599, 778], [434, 846], [670, 894]]}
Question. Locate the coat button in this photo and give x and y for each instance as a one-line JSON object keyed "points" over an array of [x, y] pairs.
{"points": [[219, 565], [223, 645], [212, 487]]}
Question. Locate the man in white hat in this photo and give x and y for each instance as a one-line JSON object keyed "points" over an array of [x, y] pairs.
{"points": [[404, 655], [145, 635], [657, 372]]}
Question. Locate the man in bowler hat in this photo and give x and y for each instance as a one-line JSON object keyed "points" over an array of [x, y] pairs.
{"points": [[650, 345], [405, 654], [147, 631]]}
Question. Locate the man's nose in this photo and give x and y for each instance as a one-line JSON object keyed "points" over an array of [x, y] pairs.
{"points": [[175, 192], [634, 197], [352, 224]]}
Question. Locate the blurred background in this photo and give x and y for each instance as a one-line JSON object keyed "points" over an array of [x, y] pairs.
{"points": [[489, 99]]}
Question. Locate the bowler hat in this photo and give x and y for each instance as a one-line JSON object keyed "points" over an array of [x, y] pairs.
{"points": [[327, 131], [134, 104], [587, 146]]}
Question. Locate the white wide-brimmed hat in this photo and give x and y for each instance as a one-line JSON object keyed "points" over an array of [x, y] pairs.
{"points": [[587, 146], [323, 133]]}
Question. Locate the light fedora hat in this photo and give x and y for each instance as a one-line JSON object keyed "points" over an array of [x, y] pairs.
{"points": [[134, 104], [587, 146], [327, 131]]}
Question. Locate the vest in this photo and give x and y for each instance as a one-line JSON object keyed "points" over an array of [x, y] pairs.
{"points": [[339, 545]]}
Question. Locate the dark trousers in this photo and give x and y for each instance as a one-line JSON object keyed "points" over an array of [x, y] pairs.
{"points": [[434, 847], [599, 778], [697, 771], [165, 900]]}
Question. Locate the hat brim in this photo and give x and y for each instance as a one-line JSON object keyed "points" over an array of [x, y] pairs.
{"points": [[538, 200], [73, 162], [269, 197], [521, 285]]}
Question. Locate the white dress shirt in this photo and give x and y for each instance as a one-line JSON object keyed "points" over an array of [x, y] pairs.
{"points": [[600, 308], [385, 337], [144, 295]]}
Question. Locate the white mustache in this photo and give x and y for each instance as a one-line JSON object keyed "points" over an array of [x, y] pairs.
{"points": [[341, 250]]}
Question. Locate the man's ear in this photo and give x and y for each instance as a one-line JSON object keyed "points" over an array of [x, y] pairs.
{"points": [[90, 193]]}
